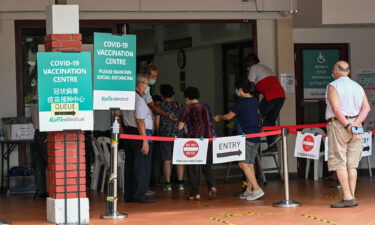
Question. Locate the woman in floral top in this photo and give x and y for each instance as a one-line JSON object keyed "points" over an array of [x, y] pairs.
{"points": [[168, 128]]}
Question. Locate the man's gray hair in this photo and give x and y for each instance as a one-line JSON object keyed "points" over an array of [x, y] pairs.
{"points": [[342, 69], [142, 78]]}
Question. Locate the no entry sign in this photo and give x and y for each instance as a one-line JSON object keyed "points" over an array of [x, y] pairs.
{"points": [[190, 151], [307, 145]]}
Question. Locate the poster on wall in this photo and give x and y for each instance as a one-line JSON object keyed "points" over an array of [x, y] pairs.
{"points": [[114, 71], [317, 71], [65, 91], [287, 82]]}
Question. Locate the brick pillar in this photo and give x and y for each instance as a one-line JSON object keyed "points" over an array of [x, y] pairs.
{"points": [[56, 165], [56, 173]]}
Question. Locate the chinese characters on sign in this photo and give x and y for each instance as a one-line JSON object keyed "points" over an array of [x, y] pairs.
{"points": [[65, 91]]}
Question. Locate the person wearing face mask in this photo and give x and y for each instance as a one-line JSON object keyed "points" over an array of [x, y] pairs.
{"points": [[153, 74], [245, 111], [138, 152], [269, 86]]}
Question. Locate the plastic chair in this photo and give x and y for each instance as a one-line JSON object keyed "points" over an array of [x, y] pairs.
{"points": [[104, 142], [99, 163], [318, 163]]}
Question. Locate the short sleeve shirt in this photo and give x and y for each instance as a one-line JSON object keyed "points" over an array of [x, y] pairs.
{"points": [[147, 98], [168, 127], [246, 110], [197, 118], [141, 111]]}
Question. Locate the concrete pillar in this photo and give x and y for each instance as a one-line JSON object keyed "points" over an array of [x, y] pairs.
{"points": [[62, 36], [284, 63]]}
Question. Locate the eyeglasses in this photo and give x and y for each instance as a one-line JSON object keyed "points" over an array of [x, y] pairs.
{"points": [[148, 84]]}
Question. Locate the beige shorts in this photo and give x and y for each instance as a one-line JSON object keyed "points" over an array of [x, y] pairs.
{"points": [[344, 148]]}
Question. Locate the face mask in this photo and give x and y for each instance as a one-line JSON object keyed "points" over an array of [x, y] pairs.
{"points": [[152, 82], [333, 77], [238, 93], [147, 90]]}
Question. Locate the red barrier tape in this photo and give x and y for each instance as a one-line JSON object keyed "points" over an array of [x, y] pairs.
{"points": [[156, 138]]}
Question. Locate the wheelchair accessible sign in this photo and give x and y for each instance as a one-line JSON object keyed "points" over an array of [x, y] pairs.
{"points": [[65, 91]]}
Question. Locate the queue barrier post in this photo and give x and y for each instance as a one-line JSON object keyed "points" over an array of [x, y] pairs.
{"points": [[286, 203], [111, 211]]}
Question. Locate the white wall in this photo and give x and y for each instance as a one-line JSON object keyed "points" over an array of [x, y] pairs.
{"points": [[348, 11], [361, 48], [8, 94]]}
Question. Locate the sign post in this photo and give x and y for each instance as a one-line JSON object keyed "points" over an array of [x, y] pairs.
{"points": [[114, 89], [65, 104], [286, 203], [65, 91], [114, 71]]}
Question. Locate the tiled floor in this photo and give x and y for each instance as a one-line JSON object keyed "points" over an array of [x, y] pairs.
{"points": [[172, 208]]}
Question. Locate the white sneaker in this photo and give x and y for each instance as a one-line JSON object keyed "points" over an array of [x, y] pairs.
{"points": [[255, 195], [245, 194]]}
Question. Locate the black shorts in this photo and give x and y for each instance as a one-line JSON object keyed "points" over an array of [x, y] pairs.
{"points": [[166, 148]]}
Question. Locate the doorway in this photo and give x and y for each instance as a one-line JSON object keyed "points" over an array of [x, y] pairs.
{"points": [[233, 68]]}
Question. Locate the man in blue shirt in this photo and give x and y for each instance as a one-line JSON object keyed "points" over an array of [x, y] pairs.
{"points": [[246, 112]]}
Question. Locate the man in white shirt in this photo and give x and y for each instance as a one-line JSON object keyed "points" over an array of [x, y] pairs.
{"points": [[138, 152], [347, 108]]}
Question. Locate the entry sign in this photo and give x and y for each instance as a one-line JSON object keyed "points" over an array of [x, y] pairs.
{"points": [[65, 91], [367, 144], [307, 145], [114, 71], [229, 149], [190, 151]]}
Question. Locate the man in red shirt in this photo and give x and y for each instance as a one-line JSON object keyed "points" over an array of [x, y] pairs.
{"points": [[269, 86]]}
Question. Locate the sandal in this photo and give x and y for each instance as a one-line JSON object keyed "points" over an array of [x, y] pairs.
{"points": [[196, 197], [212, 193]]}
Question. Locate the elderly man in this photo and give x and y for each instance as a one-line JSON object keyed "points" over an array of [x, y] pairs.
{"points": [[138, 152], [347, 108]]}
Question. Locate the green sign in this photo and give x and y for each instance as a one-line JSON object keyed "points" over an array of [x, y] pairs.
{"points": [[317, 71], [114, 71], [65, 91]]}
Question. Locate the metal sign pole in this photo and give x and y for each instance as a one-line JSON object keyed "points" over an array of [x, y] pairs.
{"points": [[112, 197], [286, 203]]}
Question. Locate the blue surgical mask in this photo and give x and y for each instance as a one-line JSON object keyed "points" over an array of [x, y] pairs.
{"points": [[152, 82], [147, 90]]}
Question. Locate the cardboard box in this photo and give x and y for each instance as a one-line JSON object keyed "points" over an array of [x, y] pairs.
{"points": [[18, 128], [19, 132]]}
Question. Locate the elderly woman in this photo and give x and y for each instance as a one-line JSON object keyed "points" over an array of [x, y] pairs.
{"points": [[198, 119], [138, 152]]}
